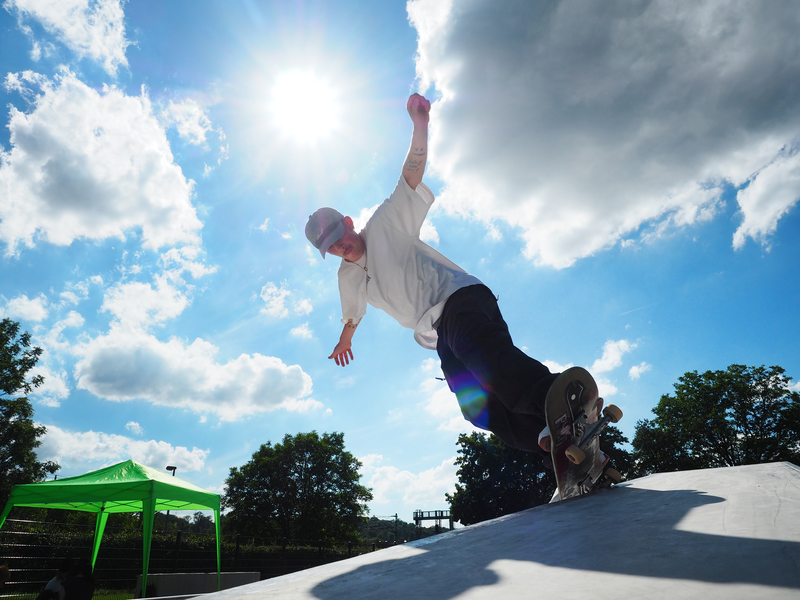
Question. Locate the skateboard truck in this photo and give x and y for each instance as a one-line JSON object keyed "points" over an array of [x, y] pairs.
{"points": [[575, 453]]}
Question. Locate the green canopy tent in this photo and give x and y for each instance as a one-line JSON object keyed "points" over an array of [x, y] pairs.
{"points": [[125, 487]]}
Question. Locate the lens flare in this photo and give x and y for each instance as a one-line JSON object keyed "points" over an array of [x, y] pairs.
{"points": [[472, 399]]}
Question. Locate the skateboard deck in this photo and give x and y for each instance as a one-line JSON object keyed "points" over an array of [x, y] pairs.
{"points": [[571, 413]]}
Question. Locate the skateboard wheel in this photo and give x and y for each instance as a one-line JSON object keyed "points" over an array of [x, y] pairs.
{"points": [[575, 454], [612, 475], [613, 413]]}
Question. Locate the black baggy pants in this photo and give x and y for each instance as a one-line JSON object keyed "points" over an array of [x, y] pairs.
{"points": [[499, 387]]}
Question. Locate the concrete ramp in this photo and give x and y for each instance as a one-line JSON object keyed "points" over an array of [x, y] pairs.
{"points": [[718, 533]]}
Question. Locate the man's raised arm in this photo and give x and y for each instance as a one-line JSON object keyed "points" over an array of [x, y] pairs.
{"points": [[414, 166]]}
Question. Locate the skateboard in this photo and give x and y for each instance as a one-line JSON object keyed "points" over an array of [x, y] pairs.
{"points": [[571, 413]]}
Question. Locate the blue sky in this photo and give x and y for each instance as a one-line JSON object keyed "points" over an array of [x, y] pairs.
{"points": [[625, 179]]}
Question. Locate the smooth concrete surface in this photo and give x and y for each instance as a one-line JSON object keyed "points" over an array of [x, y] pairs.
{"points": [[731, 533], [187, 584]]}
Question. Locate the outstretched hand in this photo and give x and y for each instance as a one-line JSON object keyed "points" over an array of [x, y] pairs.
{"points": [[419, 109], [342, 354]]}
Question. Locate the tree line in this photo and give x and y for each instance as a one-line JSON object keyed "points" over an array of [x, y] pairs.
{"points": [[307, 486], [740, 416]]}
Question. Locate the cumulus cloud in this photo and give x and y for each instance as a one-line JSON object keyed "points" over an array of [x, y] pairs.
{"points": [[73, 449], [53, 339], [613, 351], [190, 121], [54, 389], [275, 299], [418, 489], [90, 164], [592, 124], [138, 303], [636, 371], [92, 29], [186, 258], [134, 427], [128, 363], [27, 309], [302, 331], [770, 195], [75, 292]]}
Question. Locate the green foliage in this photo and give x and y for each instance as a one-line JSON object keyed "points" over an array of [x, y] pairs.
{"points": [[306, 487], [381, 530], [612, 442], [495, 480], [743, 415], [19, 436]]}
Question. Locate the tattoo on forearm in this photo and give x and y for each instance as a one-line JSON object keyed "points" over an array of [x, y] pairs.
{"points": [[419, 151], [413, 166]]}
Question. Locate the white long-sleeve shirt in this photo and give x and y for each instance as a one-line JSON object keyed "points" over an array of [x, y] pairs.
{"points": [[399, 273]]}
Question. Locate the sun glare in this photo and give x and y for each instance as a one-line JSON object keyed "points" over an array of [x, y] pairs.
{"points": [[304, 106]]}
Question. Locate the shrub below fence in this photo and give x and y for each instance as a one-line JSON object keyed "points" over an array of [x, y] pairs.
{"points": [[33, 551]]}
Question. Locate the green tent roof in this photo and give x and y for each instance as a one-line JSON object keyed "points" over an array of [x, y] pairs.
{"points": [[115, 489]]}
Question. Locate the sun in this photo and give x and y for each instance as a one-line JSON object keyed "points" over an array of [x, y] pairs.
{"points": [[304, 107]]}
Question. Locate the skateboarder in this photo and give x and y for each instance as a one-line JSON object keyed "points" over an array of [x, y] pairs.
{"points": [[499, 388]]}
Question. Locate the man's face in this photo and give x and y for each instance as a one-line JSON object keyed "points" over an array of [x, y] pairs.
{"points": [[350, 246]]}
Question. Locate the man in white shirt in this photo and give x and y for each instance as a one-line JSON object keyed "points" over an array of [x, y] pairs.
{"points": [[499, 388]]}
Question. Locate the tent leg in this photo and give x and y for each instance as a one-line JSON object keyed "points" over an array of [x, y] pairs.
{"points": [[219, 570], [99, 528], [7, 511], [148, 515]]}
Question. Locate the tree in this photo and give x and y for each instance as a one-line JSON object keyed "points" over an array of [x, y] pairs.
{"points": [[743, 415], [495, 479], [19, 435], [306, 487]]}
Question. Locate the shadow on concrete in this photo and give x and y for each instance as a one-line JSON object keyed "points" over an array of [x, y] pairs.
{"points": [[624, 531]]}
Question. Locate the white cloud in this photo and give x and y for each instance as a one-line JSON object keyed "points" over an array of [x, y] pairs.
{"points": [[302, 331], [190, 121], [128, 363], [75, 292], [53, 339], [612, 355], [360, 221], [134, 427], [54, 389], [428, 233], [770, 195], [90, 164], [586, 125], [431, 366], [637, 370], [556, 367], [90, 28], [303, 307], [28, 309], [140, 304], [274, 298], [177, 260], [73, 449], [425, 488], [605, 388]]}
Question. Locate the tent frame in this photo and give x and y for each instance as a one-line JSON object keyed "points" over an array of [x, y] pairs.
{"points": [[124, 487]]}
